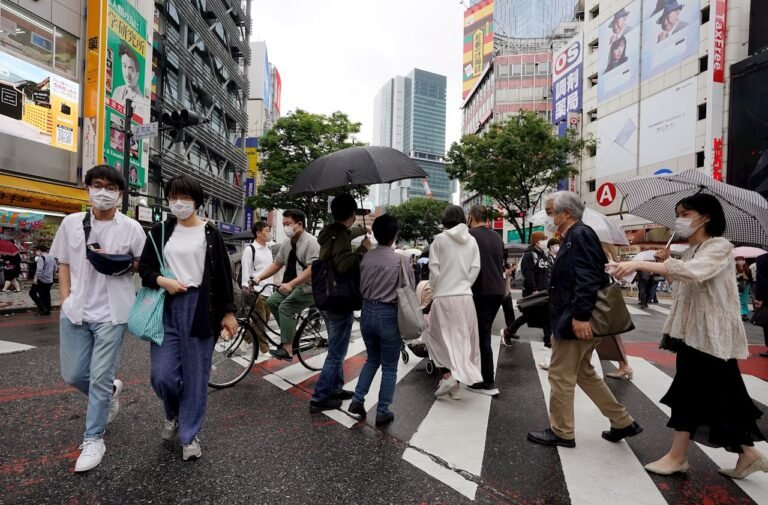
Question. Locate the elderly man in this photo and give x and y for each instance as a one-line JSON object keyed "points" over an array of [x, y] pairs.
{"points": [[578, 274]]}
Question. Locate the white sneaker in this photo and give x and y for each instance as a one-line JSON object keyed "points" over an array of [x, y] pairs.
{"points": [[170, 429], [90, 457], [191, 450], [455, 391], [544, 365], [114, 402], [445, 386]]}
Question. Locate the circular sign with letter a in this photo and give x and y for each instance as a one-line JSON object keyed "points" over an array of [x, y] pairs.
{"points": [[606, 194]]}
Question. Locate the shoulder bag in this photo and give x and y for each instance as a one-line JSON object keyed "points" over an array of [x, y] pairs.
{"points": [[145, 320], [332, 290], [410, 318], [610, 315]]}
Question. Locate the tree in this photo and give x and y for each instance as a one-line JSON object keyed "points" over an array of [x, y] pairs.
{"points": [[419, 218], [516, 163], [286, 149]]}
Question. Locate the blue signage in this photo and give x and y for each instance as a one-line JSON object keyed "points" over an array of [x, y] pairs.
{"points": [[662, 171], [248, 218], [250, 188], [229, 228], [566, 86]]}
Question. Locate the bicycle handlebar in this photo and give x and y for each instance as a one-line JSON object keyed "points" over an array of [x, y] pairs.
{"points": [[259, 288]]}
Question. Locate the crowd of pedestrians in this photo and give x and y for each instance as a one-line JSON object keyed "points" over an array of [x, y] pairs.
{"points": [[469, 280]]}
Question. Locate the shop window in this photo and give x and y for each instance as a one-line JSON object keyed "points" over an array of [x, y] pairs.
{"points": [[703, 64], [529, 68], [593, 80], [594, 12], [591, 186], [593, 46], [702, 111], [592, 150], [705, 15], [700, 159]]}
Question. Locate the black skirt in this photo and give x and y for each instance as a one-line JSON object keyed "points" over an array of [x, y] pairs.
{"points": [[709, 400]]}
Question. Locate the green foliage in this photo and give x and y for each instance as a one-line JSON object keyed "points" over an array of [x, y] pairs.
{"points": [[516, 163], [419, 218], [286, 149]]}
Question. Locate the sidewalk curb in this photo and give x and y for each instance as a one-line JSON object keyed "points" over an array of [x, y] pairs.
{"points": [[22, 310]]}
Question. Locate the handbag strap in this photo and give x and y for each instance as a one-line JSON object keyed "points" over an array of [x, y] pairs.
{"points": [[162, 244]]}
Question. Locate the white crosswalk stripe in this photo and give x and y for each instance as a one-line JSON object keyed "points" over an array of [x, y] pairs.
{"points": [[11, 347]]}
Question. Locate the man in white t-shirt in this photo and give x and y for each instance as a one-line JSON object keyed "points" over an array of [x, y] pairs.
{"points": [[255, 259], [95, 306]]}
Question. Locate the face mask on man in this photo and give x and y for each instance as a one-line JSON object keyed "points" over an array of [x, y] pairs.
{"points": [[289, 231], [103, 199], [182, 209], [549, 225], [684, 226], [268, 236], [555, 249]]}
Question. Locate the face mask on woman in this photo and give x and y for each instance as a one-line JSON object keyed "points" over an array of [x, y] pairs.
{"points": [[542, 244], [555, 249], [103, 199], [684, 226], [182, 209]]}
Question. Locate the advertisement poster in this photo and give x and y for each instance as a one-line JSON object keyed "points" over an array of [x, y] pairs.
{"points": [[668, 124], [617, 142], [566, 79], [619, 52], [670, 34], [38, 105], [118, 67], [478, 43]]}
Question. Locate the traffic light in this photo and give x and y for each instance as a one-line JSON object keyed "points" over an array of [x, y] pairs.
{"points": [[177, 120], [157, 214]]}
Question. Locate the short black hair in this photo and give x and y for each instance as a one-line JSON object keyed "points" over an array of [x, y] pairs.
{"points": [[297, 216], [185, 185], [41, 247], [125, 49], [107, 173], [453, 215], [706, 205], [258, 226], [385, 229], [553, 241], [479, 213], [343, 207]]}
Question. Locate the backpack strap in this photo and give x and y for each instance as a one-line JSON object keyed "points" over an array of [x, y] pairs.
{"points": [[87, 227]]}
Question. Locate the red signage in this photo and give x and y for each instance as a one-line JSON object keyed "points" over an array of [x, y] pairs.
{"points": [[606, 194], [278, 91], [717, 158], [718, 56], [498, 223]]}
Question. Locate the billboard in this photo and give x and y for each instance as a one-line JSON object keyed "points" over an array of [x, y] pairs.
{"points": [[668, 123], [278, 93], [478, 43], [670, 34], [118, 67], [618, 55], [567, 76], [38, 105], [617, 136]]}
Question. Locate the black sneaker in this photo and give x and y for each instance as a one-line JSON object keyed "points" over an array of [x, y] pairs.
{"points": [[383, 419], [357, 409], [485, 389], [618, 434], [764, 354], [343, 394], [281, 353], [509, 336], [327, 404], [548, 437]]}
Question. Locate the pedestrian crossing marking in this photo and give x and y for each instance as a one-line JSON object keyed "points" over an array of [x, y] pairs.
{"points": [[595, 461], [445, 475], [12, 347], [659, 309]]}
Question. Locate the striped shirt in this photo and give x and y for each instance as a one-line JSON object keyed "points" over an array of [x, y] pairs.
{"points": [[380, 274]]}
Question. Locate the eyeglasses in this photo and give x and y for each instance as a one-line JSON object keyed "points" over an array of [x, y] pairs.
{"points": [[108, 187]]}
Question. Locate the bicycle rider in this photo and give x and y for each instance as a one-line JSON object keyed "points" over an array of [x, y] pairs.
{"points": [[256, 258], [295, 292]]}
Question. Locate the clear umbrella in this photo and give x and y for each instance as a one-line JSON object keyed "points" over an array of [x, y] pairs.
{"points": [[607, 231]]}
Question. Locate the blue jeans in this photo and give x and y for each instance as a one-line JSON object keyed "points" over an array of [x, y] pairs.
{"points": [[89, 356], [331, 378], [378, 324]]}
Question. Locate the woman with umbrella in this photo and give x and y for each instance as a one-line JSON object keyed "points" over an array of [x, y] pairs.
{"points": [[12, 270], [708, 398]]}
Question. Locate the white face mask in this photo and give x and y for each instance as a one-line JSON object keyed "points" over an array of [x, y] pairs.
{"points": [[182, 209], [555, 249], [549, 225], [103, 199], [268, 236], [683, 227], [289, 231], [542, 244]]}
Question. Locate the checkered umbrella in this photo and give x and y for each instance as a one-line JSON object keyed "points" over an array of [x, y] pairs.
{"points": [[654, 198]]}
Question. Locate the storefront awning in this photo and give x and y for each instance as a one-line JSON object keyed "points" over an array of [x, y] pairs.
{"points": [[29, 194]]}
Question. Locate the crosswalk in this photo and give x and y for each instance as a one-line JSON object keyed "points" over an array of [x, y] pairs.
{"points": [[465, 443], [12, 347]]}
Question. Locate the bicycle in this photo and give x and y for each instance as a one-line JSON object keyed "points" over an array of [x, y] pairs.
{"points": [[233, 359]]}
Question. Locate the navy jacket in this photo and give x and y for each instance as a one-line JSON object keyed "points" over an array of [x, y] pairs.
{"points": [[536, 269], [577, 276], [761, 281]]}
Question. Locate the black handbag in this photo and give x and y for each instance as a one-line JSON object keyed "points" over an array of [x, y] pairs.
{"points": [[536, 308], [760, 317], [533, 301]]}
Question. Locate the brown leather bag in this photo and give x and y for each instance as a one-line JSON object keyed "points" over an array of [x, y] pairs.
{"points": [[610, 315]]}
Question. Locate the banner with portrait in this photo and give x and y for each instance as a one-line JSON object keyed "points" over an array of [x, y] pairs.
{"points": [[619, 52], [670, 34]]}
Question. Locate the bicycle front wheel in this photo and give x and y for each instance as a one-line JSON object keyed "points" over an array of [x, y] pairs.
{"points": [[232, 359], [311, 341]]}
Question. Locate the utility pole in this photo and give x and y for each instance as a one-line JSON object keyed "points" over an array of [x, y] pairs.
{"points": [[127, 136]]}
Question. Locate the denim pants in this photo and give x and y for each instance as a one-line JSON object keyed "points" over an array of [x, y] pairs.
{"points": [[181, 365], [331, 380], [89, 356], [378, 324]]}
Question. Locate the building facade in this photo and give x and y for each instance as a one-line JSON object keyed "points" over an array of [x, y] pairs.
{"points": [[409, 115]]}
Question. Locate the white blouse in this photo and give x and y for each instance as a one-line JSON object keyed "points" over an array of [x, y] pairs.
{"points": [[705, 309], [185, 254]]}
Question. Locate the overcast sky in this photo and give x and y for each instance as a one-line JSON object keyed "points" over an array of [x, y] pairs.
{"points": [[336, 54]]}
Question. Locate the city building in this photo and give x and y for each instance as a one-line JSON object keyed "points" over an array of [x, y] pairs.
{"points": [[265, 91], [409, 115], [527, 19], [656, 81]]}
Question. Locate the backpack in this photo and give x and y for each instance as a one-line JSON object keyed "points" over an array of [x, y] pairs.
{"points": [[239, 266], [518, 274], [335, 291]]}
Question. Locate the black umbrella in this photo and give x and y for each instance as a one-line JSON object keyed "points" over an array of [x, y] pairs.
{"points": [[356, 166]]}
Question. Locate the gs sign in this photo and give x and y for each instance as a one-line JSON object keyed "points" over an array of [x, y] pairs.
{"points": [[567, 58]]}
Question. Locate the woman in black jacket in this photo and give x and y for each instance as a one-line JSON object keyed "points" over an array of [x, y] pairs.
{"points": [[536, 267], [198, 306]]}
